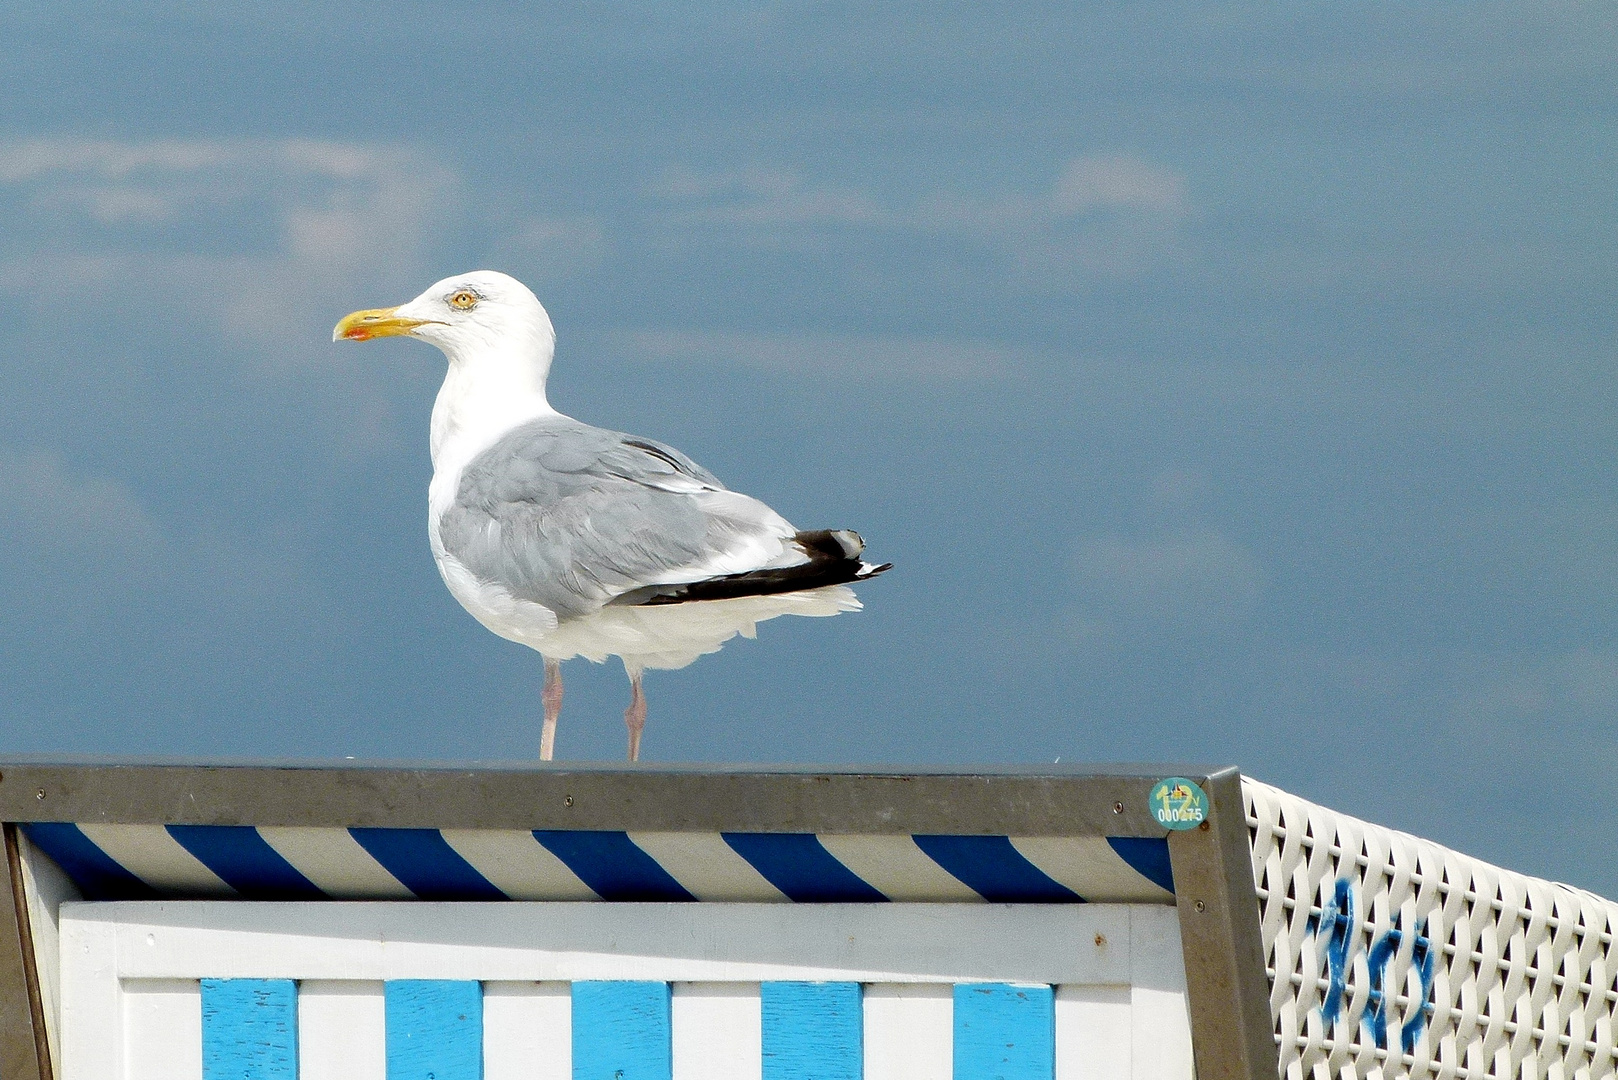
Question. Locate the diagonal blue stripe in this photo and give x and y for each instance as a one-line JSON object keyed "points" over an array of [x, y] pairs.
{"points": [[434, 1029], [97, 874], [798, 865], [249, 1029], [622, 1031], [241, 858], [1148, 856], [995, 870], [811, 1031], [611, 864], [425, 864]]}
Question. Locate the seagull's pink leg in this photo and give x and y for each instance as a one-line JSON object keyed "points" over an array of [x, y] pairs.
{"points": [[552, 697], [635, 715]]}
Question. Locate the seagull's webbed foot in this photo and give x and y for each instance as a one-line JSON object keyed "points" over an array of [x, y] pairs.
{"points": [[552, 697], [635, 715]]}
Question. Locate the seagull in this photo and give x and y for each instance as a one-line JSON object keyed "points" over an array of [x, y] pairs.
{"points": [[579, 541]]}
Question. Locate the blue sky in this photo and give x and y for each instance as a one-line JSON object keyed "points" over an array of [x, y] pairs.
{"points": [[1228, 383]]}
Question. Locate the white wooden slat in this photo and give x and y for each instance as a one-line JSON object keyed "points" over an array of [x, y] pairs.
{"points": [[1161, 1034], [164, 864], [1094, 1035], [707, 867], [92, 1000], [527, 1031], [516, 864], [1089, 866], [162, 1024], [717, 1031], [897, 868], [1160, 1023], [941, 943], [342, 1030], [909, 1031], [335, 862]]}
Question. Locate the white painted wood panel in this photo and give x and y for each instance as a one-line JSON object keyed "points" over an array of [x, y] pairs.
{"points": [[527, 1031], [1120, 998], [92, 1001], [162, 1022], [1094, 1033], [1160, 1023], [565, 941], [342, 1028], [909, 1031], [718, 1031]]}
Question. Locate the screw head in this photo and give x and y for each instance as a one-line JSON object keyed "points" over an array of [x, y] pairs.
{"points": [[40, 794], [1205, 825], [567, 800], [1117, 807], [1201, 906]]}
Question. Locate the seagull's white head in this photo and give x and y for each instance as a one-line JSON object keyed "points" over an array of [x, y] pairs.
{"points": [[484, 314]]}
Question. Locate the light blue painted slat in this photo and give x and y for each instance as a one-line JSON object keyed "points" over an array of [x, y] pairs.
{"points": [[621, 1031], [435, 1029], [1004, 1032], [812, 1031], [249, 1029]]}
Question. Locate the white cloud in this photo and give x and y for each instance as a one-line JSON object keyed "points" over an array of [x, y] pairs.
{"points": [[759, 198], [865, 358], [1117, 181], [255, 235], [1514, 697], [542, 249], [66, 535], [1104, 215], [1189, 577]]}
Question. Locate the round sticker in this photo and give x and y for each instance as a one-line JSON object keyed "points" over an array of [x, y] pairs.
{"points": [[1178, 803]]}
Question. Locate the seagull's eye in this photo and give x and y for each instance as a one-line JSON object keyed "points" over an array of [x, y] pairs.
{"points": [[465, 300]]}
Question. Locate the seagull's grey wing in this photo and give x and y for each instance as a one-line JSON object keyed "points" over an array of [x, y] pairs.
{"points": [[571, 516]]}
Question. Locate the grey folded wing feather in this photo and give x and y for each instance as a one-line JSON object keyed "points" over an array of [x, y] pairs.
{"points": [[572, 516]]}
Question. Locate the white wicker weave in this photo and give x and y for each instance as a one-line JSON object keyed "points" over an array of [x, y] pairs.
{"points": [[1390, 956]]}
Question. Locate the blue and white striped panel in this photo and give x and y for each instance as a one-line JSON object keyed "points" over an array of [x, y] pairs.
{"points": [[138, 862], [442, 1030]]}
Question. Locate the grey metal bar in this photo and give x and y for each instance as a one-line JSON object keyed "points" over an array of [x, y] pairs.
{"points": [[24, 1052], [649, 799], [1227, 988]]}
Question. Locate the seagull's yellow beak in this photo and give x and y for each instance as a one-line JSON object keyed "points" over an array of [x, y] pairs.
{"points": [[374, 322]]}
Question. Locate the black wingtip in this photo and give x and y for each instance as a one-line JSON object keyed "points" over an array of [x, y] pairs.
{"points": [[834, 559]]}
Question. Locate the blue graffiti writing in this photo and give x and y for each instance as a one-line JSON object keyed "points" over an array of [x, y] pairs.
{"points": [[1339, 918], [1380, 1002], [1422, 956], [1337, 923]]}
